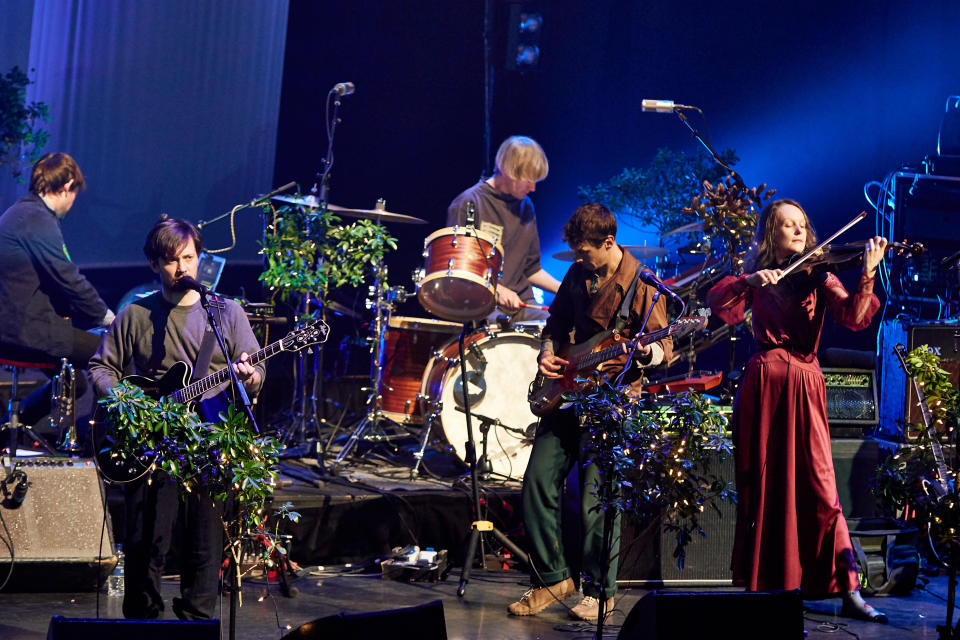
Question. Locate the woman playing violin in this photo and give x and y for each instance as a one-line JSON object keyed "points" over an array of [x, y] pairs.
{"points": [[790, 530]]}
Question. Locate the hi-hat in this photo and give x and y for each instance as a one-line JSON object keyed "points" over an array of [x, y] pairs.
{"points": [[637, 251], [381, 215], [687, 228]]}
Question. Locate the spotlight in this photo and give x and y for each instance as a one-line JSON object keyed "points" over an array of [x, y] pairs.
{"points": [[527, 55], [524, 26]]}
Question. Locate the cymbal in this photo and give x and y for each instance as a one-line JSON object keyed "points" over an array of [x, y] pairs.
{"points": [[376, 214], [687, 228], [636, 250], [305, 201], [380, 215]]}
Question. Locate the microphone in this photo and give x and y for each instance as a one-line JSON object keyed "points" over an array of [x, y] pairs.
{"points": [[648, 278], [662, 106], [190, 283], [343, 88]]}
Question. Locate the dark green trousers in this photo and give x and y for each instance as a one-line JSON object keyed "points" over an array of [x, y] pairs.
{"points": [[558, 446]]}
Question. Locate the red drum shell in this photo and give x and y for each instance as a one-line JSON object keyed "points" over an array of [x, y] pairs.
{"points": [[409, 344], [461, 268]]}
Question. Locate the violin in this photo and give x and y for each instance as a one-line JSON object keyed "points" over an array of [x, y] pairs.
{"points": [[834, 258]]}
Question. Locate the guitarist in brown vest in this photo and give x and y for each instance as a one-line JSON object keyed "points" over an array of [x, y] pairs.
{"points": [[588, 302], [147, 339]]}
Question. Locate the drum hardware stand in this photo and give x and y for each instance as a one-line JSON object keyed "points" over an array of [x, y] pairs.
{"points": [[478, 527], [382, 302], [484, 463]]}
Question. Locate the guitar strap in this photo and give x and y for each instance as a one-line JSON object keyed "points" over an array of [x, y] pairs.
{"points": [[624, 316], [209, 340]]}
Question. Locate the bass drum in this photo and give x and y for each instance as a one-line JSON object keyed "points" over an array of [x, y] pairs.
{"points": [[500, 367]]}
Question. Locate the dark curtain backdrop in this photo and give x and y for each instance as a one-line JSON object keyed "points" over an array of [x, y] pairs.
{"points": [[168, 107]]}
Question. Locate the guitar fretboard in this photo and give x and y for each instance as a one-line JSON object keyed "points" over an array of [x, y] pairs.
{"points": [[215, 379], [593, 359]]}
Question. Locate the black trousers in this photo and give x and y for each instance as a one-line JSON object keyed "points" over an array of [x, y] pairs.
{"points": [[151, 514]]}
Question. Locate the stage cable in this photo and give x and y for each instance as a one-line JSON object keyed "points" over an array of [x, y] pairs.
{"points": [[8, 541]]}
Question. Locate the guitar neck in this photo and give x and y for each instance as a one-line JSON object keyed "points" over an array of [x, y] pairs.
{"points": [[215, 379], [927, 422], [594, 358]]}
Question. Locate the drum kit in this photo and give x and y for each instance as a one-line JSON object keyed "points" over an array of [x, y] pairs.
{"points": [[416, 383]]}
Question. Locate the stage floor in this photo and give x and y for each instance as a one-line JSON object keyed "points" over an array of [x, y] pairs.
{"points": [[357, 515], [481, 613]]}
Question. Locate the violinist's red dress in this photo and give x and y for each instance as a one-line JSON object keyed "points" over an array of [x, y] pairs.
{"points": [[790, 531]]}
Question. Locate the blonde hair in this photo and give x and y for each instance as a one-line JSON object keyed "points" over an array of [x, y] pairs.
{"points": [[521, 158]]}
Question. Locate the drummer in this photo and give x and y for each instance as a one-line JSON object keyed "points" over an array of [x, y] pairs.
{"points": [[504, 209]]}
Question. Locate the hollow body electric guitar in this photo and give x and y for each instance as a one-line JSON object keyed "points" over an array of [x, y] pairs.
{"points": [[119, 467], [545, 394]]}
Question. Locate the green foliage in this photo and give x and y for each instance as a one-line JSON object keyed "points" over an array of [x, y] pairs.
{"points": [[729, 212], [657, 195], [309, 251], [660, 459], [21, 138], [899, 480], [228, 460]]}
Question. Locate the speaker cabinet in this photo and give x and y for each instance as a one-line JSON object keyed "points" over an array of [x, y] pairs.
{"points": [[647, 554], [745, 615], [112, 629], [57, 530], [851, 401]]}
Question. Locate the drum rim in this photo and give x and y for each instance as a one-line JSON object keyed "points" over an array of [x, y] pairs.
{"points": [[489, 238]]}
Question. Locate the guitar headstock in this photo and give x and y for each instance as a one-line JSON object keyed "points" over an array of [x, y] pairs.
{"points": [[901, 352], [685, 326], [315, 332]]}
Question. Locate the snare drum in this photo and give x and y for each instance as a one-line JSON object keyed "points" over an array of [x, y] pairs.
{"points": [[500, 367], [409, 344], [459, 278]]}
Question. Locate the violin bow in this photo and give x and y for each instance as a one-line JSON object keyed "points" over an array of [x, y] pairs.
{"points": [[860, 216]]}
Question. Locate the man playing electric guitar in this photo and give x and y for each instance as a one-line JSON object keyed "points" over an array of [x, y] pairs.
{"points": [[589, 301], [148, 338]]}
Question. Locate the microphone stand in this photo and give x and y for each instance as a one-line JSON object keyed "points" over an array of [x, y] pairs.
{"points": [[478, 527], [706, 144], [240, 391], [607, 487], [252, 203]]}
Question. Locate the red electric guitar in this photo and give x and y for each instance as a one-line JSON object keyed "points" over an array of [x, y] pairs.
{"points": [[546, 393]]}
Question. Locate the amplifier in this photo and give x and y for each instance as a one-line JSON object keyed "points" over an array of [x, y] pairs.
{"points": [[899, 400], [927, 210], [851, 401]]}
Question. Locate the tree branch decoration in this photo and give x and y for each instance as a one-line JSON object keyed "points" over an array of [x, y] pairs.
{"points": [[227, 461], [899, 480], [21, 138], [655, 460], [729, 212], [309, 251], [658, 195]]}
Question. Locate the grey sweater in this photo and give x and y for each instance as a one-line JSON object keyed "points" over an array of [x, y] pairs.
{"points": [[151, 334]]}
